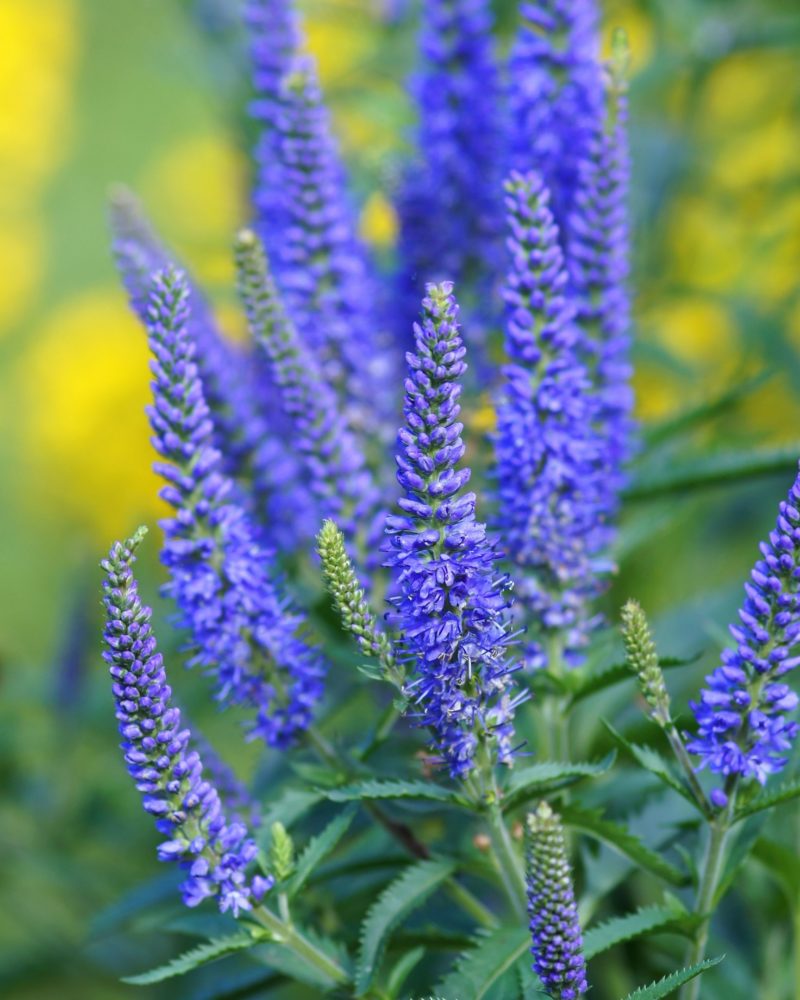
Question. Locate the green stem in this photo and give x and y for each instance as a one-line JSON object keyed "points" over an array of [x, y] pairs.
{"points": [[676, 743], [556, 716], [719, 828], [470, 904], [300, 945], [507, 860]]}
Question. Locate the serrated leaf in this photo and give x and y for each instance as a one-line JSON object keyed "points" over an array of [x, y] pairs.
{"points": [[548, 776], [775, 797], [670, 983], [194, 958], [619, 672], [285, 961], [652, 761], [713, 470], [745, 839], [622, 840], [477, 970], [613, 932], [287, 808], [408, 891], [320, 847], [377, 789]]}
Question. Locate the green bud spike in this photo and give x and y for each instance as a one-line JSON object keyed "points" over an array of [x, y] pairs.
{"points": [[643, 661], [348, 598]]}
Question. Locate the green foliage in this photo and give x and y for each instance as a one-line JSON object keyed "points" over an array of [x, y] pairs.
{"points": [[620, 929], [390, 789], [670, 983], [193, 959], [652, 761], [536, 780], [408, 891], [477, 971], [281, 852], [319, 848], [622, 840], [787, 792]]}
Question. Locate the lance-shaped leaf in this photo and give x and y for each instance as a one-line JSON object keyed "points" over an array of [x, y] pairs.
{"points": [[613, 932], [377, 789], [479, 969], [536, 779], [621, 839], [766, 800], [318, 848], [670, 983], [400, 898], [619, 672], [653, 762], [193, 959]]}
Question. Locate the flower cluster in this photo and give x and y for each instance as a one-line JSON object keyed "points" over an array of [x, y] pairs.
{"points": [[450, 206], [169, 775], [742, 721], [240, 628], [555, 94], [451, 610], [556, 931], [319, 262], [550, 483]]}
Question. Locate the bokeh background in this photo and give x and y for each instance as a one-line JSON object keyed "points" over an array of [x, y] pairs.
{"points": [[151, 93]]}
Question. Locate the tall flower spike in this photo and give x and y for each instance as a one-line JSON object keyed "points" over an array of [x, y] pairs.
{"points": [[598, 254], [274, 35], [252, 448], [220, 576], [554, 86], [450, 608], [642, 659], [320, 264], [450, 209], [556, 931], [549, 486], [169, 775], [742, 715], [337, 472]]}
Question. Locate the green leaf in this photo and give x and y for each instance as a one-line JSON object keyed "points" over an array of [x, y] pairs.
{"points": [[613, 932], [622, 840], [193, 959], [403, 969], [288, 963], [477, 970], [525, 782], [782, 863], [713, 470], [671, 982], [619, 672], [746, 837], [287, 808], [320, 847], [400, 898], [694, 417], [653, 762], [376, 789], [766, 800]]}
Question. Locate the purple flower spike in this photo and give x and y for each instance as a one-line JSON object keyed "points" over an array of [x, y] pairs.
{"points": [[451, 608], [742, 721], [186, 807], [551, 487], [557, 941], [240, 628], [450, 208], [555, 94]]}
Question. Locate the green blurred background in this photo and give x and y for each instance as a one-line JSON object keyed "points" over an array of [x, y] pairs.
{"points": [[151, 93]]}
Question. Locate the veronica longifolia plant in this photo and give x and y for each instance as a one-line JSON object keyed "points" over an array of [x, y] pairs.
{"points": [[462, 627]]}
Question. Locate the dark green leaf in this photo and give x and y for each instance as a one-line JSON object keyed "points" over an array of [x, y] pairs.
{"points": [[193, 959], [536, 779], [653, 762], [403, 969], [282, 959], [782, 863], [774, 797], [714, 470], [393, 790], [744, 840], [477, 970], [319, 848], [613, 932], [619, 672], [671, 982], [622, 840], [400, 898]]}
